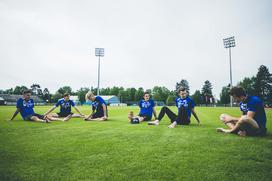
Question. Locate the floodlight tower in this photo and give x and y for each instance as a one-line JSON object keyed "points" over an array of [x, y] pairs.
{"points": [[229, 43], [99, 52]]}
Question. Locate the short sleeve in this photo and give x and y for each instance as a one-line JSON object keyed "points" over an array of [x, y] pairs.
{"points": [[58, 103], [72, 103], [252, 106], [140, 104], [152, 103], [19, 104], [192, 103]]}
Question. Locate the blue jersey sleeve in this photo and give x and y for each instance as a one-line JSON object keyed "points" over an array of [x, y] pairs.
{"points": [[140, 103], [101, 100], [72, 103], [252, 106], [19, 104], [176, 102], [152, 103], [58, 103], [192, 103]]}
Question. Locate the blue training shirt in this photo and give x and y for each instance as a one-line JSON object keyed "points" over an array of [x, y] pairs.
{"points": [[187, 103], [65, 106], [254, 104], [97, 105], [26, 107], [146, 107]]}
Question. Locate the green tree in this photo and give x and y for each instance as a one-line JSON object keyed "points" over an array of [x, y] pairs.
{"points": [[197, 97], [18, 90], [248, 84], [263, 84], [65, 89], [56, 96], [160, 93], [139, 94], [224, 95], [170, 101], [81, 94], [46, 95], [207, 91], [36, 90]]}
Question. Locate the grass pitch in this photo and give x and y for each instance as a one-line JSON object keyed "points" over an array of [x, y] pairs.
{"points": [[117, 150]]}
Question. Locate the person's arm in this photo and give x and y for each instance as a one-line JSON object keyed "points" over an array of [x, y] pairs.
{"points": [[50, 110], [105, 111], [195, 115], [154, 113], [15, 114], [78, 111]]}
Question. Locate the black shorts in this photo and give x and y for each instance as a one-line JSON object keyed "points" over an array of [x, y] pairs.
{"points": [[28, 118], [146, 117], [96, 115], [64, 114]]}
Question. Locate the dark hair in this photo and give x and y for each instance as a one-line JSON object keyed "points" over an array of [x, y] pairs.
{"points": [[181, 89], [237, 91], [146, 92], [66, 94], [27, 91]]}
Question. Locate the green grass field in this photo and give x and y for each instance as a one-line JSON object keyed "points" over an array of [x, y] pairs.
{"points": [[117, 150]]}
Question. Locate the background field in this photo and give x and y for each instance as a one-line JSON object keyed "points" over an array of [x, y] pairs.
{"points": [[116, 150]]}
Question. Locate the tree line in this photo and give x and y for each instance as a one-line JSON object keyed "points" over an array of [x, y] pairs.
{"points": [[260, 85]]}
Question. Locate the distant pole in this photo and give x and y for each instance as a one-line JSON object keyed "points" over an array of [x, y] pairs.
{"points": [[99, 52], [229, 43]]}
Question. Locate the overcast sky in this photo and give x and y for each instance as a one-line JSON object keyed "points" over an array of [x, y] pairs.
{"points": [[147, 42]]}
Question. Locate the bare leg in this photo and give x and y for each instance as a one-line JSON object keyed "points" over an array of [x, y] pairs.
{"points": [[243, 121], [53, 117], [35, 118]]}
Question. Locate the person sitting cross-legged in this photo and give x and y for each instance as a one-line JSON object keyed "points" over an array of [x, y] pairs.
{"points": [[253, 119]]}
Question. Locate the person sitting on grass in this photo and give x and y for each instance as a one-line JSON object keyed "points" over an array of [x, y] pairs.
{"points": [[253, 119], [25, 106], [185, 107], [99, 108], [65, 110], [147, 108]]}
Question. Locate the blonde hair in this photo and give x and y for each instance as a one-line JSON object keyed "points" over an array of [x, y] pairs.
{"points": [[88, 95]]}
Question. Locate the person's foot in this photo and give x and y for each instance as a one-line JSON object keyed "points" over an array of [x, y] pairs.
{"points": [[130, 115], [47, 120], [156, 122], [242, 133], [172, 125], [221, 130]]}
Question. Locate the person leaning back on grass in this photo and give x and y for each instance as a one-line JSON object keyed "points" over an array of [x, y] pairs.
{"points": [[25, 106], [147, 108], [99, 108], [185, 108], [65, 110], [253, 119]]}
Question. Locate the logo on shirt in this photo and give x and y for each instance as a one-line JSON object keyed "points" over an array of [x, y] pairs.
{"points": [[28, 103], [182, 102], [146, 104], [65, 105], [243, 107]]}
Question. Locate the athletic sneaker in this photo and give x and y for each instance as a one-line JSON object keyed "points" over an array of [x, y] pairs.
{"points": [[172, 125], [156, 122]]}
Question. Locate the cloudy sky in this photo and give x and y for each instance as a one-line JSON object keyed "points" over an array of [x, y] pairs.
{"points": [[147, 42]]}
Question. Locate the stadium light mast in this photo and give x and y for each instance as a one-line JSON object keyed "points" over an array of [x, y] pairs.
{"points": [[99, 52], [230, 43]]}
